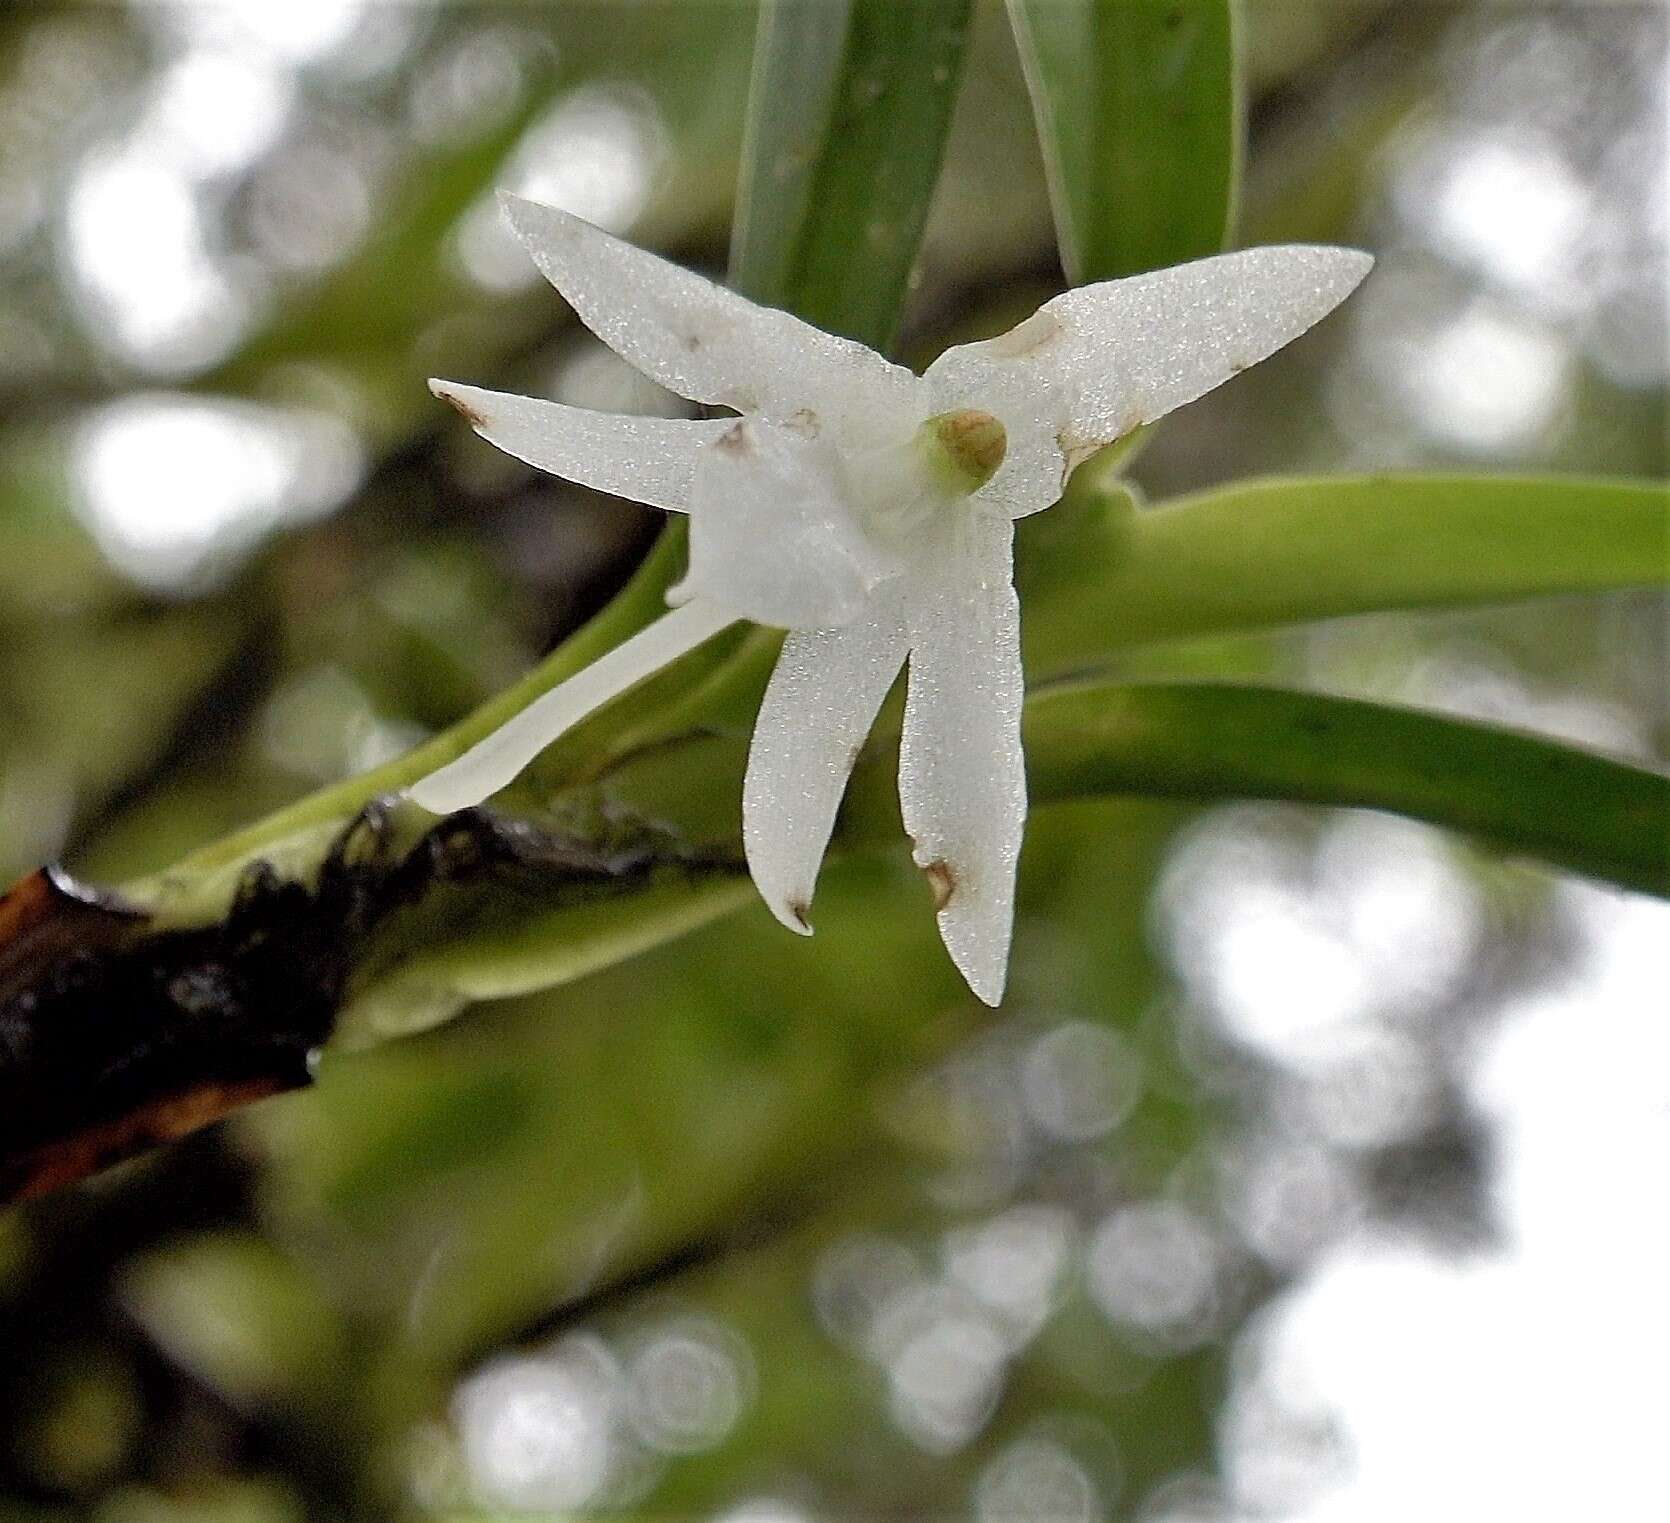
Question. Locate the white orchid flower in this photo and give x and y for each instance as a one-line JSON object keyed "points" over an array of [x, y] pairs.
{"points": [[868, 511]]}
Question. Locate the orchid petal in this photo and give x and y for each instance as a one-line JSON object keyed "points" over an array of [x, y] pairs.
{"points": [[709, 344], [962, 779], [775, 534], [1095, 363], [650, 460], [818, 707], [492, 763]]}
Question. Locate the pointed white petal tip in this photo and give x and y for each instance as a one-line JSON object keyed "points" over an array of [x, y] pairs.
{"points": [[1357, 263], [983, 974], [1334, 271], [514, 206], [982, 961], [1350, 266], [535, 222], [457, 397], [791, 913]]}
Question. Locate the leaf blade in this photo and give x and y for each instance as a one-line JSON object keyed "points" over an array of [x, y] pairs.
{"points": [[1139, 113], [849, 107], [1529, 795], [1533, 797], [1255, 555]]}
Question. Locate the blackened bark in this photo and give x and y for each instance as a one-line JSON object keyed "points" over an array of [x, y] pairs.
{"points": [[117, 1035]]}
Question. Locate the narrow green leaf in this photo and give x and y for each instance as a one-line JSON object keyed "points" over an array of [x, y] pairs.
{"points": [[1098, 574], [522, 949], [1139, 114], [1532, 797], [848, 111]]}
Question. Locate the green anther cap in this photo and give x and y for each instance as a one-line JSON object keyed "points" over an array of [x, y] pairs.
{"points": [[965, 446]]}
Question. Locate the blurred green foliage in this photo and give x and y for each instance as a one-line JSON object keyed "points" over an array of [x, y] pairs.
{"points": [[324, 1309]]}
